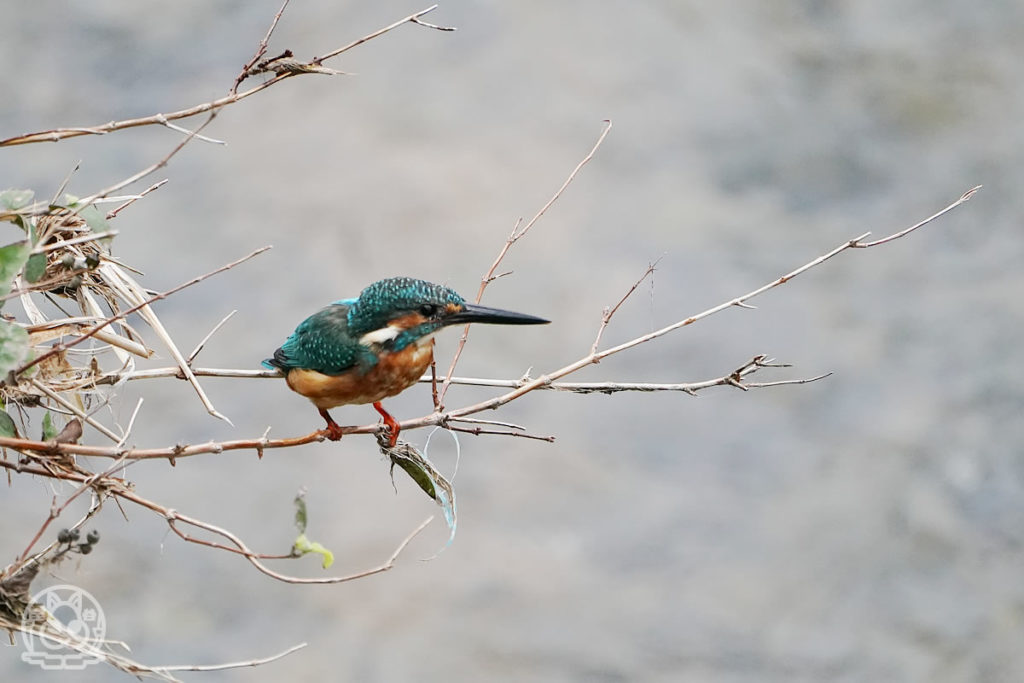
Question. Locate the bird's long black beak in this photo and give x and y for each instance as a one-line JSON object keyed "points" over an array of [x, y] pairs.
{"points": [[472, 313]]}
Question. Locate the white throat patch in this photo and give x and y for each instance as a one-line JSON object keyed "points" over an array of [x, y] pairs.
{"points": [[384, 334]]}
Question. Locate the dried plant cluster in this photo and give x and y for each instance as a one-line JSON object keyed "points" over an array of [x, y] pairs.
{"points": [[68, 286], [87, 319]]}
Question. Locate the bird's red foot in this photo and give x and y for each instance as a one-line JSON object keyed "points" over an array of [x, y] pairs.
{"points": [[333, 431], [389, 422]]}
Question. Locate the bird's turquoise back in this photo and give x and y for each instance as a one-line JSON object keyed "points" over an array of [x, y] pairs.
{"points": [[322, 342]]}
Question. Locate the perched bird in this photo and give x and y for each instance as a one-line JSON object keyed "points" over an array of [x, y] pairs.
{"points": [[366, 349]]}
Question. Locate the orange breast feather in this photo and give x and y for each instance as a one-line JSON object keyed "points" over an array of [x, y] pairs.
{"points": [[394, 373]]}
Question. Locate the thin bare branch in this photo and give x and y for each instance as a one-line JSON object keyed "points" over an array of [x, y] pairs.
{"points": [[200, 345], [895, 236], [87, 201], [57, 134], [516, 235], [606, 317], [233, 665], [479, 431], [412, 18], [591, 358], [172, 453], [155, 186], [260, 50]]}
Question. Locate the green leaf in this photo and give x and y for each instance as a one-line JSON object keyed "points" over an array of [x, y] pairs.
{"points": [[49, 431], [12, 258], [96, 221], [7, 427], [35, 267], [300, 510], [303, 545], [433, 483], [417, 473], [16, 199], [14, 349]]}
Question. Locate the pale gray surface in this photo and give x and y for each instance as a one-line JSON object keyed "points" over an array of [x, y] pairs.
{"points": [[868, 528]]}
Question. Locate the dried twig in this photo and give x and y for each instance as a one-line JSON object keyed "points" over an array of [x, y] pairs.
{"points": [[201, 344], [260, 50], [594, 357], [155, 186], [234, 96], [172, 453], [606, 317], [517, 234], [232, 665]]}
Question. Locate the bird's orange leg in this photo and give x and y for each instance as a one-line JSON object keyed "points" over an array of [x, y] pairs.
{"points": [[390, 422], [333, 431]]}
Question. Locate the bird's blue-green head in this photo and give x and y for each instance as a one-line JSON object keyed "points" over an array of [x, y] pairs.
{"points": [[401, 310]]}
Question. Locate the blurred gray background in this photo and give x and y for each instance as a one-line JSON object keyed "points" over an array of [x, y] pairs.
{"points": [[864, 528]]}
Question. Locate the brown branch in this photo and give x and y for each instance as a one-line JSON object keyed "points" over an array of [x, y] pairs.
{"points": [[412, 18], [240, 548], [903, 233], [606, 317], [516, 235], [155, 186], [233, 665], [595, 357], [172, 453], [87, 201], [56, 134], [56, 511], [260, 50], [479, 431]]}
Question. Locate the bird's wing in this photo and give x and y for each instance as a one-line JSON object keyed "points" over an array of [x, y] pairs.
{"points": [[321, 342]]}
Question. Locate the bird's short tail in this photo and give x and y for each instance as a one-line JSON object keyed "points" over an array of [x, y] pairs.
{"points": [[278, 362]]}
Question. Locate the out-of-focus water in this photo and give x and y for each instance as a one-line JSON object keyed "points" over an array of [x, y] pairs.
{"points": [[863, 528]]}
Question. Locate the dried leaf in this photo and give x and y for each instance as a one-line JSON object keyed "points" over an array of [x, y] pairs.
{"points": [[71, 433]]}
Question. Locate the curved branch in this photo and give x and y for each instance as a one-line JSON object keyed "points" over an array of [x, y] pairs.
{"points": [[56, 134]]}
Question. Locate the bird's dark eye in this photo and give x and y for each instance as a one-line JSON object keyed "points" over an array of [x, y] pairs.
{"points": [[428, 310]]}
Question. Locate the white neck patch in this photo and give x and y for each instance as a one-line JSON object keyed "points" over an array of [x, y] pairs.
{"points": [[384, 334]]}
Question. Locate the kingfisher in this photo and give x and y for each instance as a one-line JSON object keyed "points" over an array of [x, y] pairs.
{"points": [[363, 350]]}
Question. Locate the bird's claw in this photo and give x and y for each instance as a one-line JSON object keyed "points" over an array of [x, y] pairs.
{"points": [[333, 432]]}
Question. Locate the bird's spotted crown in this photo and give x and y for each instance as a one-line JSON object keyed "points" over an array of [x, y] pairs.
{"points": [[378, 303]]}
